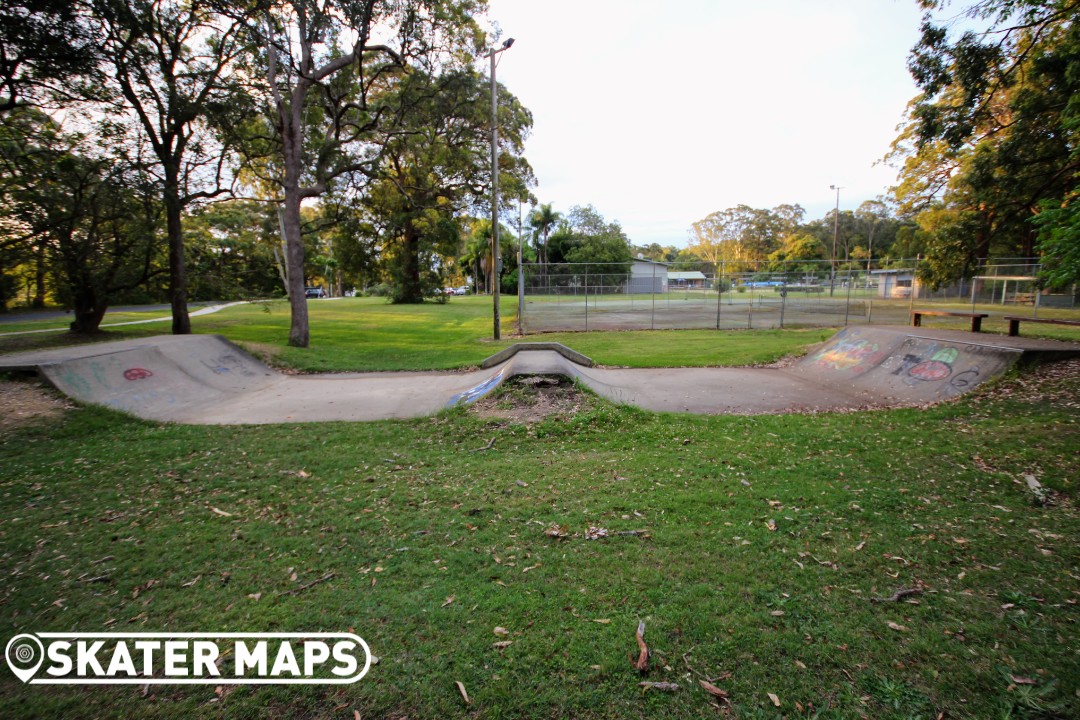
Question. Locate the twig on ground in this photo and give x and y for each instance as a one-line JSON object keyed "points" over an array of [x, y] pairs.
{"points": [[491, 444], [313, 583], [898, 595], [642, 663]]}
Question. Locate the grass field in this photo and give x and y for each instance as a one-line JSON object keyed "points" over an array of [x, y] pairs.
{"points": [[766, 539]]}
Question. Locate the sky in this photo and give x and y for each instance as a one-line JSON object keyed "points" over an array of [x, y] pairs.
{"points": [[660, 112]]}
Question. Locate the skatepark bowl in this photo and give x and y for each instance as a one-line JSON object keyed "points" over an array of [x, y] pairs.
{"points": [[207, 380]]}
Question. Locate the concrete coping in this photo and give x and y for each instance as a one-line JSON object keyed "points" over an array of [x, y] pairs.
{"points": [[509, 352]]}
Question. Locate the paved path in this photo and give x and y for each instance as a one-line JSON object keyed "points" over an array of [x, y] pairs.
{"points": [[205, 379], [53, 314]]}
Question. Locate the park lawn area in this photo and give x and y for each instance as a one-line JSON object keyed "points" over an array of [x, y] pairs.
{"points": [[767, 539], [360, 334]]}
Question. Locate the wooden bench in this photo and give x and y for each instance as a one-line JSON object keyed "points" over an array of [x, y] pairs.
{"points": [[1014, 323], [976, 318]]}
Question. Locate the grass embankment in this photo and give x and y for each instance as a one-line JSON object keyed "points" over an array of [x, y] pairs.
{"points": [[767, 538]]}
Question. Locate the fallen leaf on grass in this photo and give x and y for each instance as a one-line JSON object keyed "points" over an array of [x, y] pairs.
{"points": [[501, 631], [595, 533], [662, 686], [777, 613], [771, 524], [531, 567], [191, 582], [895, 626], [461, 689], [502, 644], [602, 621], [222, 513], [713, 690], [1022, 680], [557, 531], [774, 698], [448, 601], [255, 596]]}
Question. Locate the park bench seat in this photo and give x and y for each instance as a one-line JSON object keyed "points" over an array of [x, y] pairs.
{"points": [[1014, 323], [976, 318]]}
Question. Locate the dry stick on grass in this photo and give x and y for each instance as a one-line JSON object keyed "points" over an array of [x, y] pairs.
{"points": [[313, 583], [897, 596], [642, 663], [491, 444]]}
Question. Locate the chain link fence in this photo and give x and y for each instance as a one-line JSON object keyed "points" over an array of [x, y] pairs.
{"points": [[644, 294]]}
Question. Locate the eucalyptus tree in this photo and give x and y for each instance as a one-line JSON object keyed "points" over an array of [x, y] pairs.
{"points": [[991, 141], [326, 68], [435, 167], [171, 65]]}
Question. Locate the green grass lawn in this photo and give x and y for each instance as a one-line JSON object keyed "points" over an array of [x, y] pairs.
{"points": [[767, 537], [357, 334]]}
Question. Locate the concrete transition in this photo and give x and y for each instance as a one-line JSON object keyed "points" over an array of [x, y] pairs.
{"points": [[205, 379]]}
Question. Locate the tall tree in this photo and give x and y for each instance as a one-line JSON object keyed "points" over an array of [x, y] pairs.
{"points": [[327, 67], [94, 216], [44, 46], [171, 64], [437, 167], [987, 144], [543, 220]]}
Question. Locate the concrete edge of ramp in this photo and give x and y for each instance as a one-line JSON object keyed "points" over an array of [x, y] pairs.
{"points": [[540, 359], [509, 352]]}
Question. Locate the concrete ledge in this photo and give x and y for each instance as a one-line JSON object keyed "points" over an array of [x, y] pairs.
{"points": [[507, 353]]}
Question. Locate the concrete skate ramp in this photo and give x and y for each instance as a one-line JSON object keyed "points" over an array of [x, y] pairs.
{"points": [[895, 366], [205, 379]]}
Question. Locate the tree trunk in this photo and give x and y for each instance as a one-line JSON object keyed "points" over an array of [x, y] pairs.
{"points": [[39, 279], [88, 312], [299, 333], [181, 322], [410, 290]]}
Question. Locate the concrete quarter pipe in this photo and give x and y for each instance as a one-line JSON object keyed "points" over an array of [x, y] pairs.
{"points": [[205, 379]]}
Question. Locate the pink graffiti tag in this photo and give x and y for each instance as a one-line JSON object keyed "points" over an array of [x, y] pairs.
{"points": [[137, 373]]}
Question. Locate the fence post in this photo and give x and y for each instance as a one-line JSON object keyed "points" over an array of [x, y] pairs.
{"points": [[652, 295], [586, 297], [719, 292], [847, 303], [783, 303]]}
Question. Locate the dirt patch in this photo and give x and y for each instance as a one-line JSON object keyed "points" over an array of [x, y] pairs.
{"points": [[29, 402], [532, 399]]}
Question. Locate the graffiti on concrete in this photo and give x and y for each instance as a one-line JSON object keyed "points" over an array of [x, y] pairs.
{"points": [[137, 373], [227, 364], [853, 354]]}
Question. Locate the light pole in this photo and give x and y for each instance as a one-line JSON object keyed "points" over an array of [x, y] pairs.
{"points": [[495, 187], [521, 277], [835, 233]]}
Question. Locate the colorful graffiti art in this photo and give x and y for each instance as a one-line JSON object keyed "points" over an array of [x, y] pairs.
{"points": [[137, 373], [855, 355], [938, 367]]}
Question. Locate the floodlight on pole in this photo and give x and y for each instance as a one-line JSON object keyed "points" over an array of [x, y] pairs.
{"points": [[495, 188]]}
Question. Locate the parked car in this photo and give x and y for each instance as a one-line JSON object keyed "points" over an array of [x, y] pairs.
{"points": [[314, 292], [461, 290]]}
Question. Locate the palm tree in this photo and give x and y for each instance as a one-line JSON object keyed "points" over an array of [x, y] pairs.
{"points": [[478, 251], [543, 219]]}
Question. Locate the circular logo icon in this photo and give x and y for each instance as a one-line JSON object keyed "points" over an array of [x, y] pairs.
{"points": [[24, 654], [137, 374]]}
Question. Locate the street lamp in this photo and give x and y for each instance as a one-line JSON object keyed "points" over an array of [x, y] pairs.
{"points": [[495, 186], [835, 233]]}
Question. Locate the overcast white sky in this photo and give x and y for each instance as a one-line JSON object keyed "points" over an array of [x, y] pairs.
{"points": [[659, 112]]}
